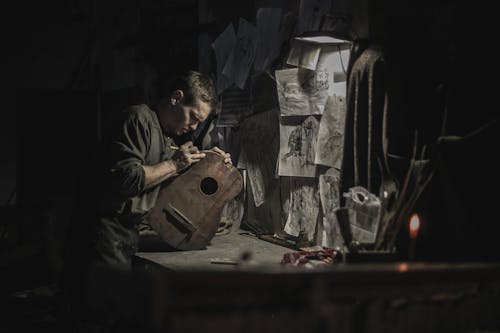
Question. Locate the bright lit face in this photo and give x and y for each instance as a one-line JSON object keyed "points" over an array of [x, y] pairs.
{"points": [[185, 118]]}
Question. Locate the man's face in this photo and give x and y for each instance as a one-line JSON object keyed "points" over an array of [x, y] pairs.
{"points": [[187, 117]]}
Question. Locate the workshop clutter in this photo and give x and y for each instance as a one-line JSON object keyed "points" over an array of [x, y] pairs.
{"points": [[312, 256]]}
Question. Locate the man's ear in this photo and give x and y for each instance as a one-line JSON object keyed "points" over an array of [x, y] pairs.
{"points": [[176, 96]]}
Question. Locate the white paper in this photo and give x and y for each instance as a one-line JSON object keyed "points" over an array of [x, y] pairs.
{"points": [[304, 209], [335, 58], [330, 143], [241, 59], [303, 92], [304, 55], [260, 143], [322, 40], [297, 146], [223, 47], [242, 161], [329, 192]]}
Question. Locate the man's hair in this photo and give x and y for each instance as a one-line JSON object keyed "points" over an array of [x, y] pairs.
{"points": [[196, 87]]}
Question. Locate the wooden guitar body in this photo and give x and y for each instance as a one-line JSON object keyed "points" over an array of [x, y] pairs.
{"points": [[188, 209]]}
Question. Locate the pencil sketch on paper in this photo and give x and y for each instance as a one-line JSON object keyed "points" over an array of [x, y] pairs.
{"points": [[304, 55], [329, 193], [297, 147], [302, 92], [223, 46], [335, 58], [330, 143], [260, 144], [242, 56], [304, 209]]}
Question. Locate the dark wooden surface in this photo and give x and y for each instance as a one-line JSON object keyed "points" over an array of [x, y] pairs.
{"points": [[265, 258], [231, 246], [189, 294]]}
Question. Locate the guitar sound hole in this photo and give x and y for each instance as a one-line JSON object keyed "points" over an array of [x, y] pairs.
{"points": [[209, 185]]}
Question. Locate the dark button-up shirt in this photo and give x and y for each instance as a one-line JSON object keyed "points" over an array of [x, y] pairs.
{"points": [[139, 141], [123, 201]]}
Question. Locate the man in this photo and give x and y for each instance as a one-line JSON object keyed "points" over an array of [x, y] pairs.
{"points": [[140, 156]]}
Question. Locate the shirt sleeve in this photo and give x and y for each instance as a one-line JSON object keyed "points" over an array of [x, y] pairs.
{"points": [[128, 154]]}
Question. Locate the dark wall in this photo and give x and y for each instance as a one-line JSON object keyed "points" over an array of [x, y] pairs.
{"points": [[438, 53], [440, 79], [74, 65]]}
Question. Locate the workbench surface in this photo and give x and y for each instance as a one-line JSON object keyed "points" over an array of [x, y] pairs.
{"points": [[231, 247], [265, 257], [187, 293]]}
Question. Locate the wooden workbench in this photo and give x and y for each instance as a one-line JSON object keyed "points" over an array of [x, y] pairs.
{"points": [[184, 292], [232, 246]]}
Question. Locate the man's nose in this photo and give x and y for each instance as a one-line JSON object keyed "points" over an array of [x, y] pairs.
{"points": [[193, 126]]}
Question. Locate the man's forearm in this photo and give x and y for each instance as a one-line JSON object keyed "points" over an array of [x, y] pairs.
{"points": [[155, 174]]}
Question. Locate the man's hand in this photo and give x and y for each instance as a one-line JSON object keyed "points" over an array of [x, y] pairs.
{"points": [[186, 155], [227, 156]]}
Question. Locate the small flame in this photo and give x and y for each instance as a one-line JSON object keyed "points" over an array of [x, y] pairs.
{"points": [[414, 225], [402, 267]]}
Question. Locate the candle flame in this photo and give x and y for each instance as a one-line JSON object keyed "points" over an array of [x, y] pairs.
{"points": [[402, 267], [414, 225]]}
